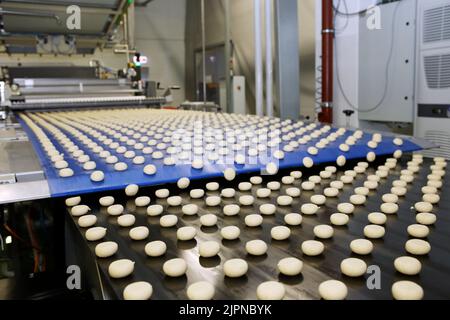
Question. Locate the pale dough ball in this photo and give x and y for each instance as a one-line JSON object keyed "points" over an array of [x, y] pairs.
{"points": [[267, 209], [345, 207], [293, 192], [139, 290], [142, 201], [208, 220], [183, 183], [208, 249], [121, 268], [371, 156], [408, 265], [235, 268], [106, 201], [353, 267], [429, 190], [318, 199], [340, 161], [131, 190], [347, 179], [228, 193], [280, 233], [139, 233], [357, 199], [274, 185], [106, 249], [361, 246], [200, 290], [399, 191], [418, 230], [189, 209], [263, 192], [126, 220], [296, 174], [168, 221], [270, 290], [312, 247], [426, 218], [256, 247], [120, 166], [423, 206], [389, 198], [323, 231], [284, 200], [115, 209], [339, 219], [431, 198], [175, 267], [309, 208], [371, 184], [314, 178], [62, 164], [197, 193], [256, 180], [293, 219], [162, 193], [154, 210], [287, 180], [253, 220], [149, 169], [331, 192], [377, 218], [70, 202], [333, 290], [213, 201], [174, 201], [97, 176], [66, 172], [246, 200], [290, 266], [230, 232], [308, 185], [271, 168], [212, 186], [406, 290], [155, 248], [87, 221], [186, 233], [417, 246], [389, 208], [229, 174], [79, 210], [374, 231], [231, 209]]}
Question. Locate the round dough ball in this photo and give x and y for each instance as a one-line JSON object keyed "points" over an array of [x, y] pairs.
{"points": [[318, 199], [370, 184], [235, 268], [70, 202], [213, 201], [87, 221], [280, 233], [323, 231], [308, 185], [361, 246], [115, 210], [197, 193], [139, 290], [253, 220], [399, 191], [154, 210], [417, 246], [155, 248], [270, 290], [333, 290], [256, 247], [131, 190], [231, 209], [339, 219], [309, 208], [331, 192], [296, 174], [426, 218], [271, 168], [175, 267], [346, 208], [371, 156], [121, 268], [230, 232], [162, 193], [290, 266], [208, 249], [340, 161], [126, 220], [406, 290], [208, 220], [263, 192], [408, 265], [423, 206], [120, 166], [274, 185], [353, 267], [67, 172], [418, 230], [174, 201], [293, 219], [106, 249], [312, 247], [228, 193], [212, 186], [377, 218], [168, 221], [139, 233], [374, 231], [246, 200], [284, 200], [183, 183], [256, 180], [200, 290], [149, 169], [229, 174], [186, 233], [389, 208], [429, 190], [308, 162], [97, 176], [389, 198], [189, 209], [106, 201], [357, 199], [293, 192], [79, 210], [95, 233], [267, 209], [431, 198], [142, 201]]}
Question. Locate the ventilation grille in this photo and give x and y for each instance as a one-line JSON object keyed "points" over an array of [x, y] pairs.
{"points": [[436, 24], [440, 138], [437, 71]]}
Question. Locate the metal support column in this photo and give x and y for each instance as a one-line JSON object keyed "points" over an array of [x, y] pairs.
{"points": [[229, 106], [287, 59]]}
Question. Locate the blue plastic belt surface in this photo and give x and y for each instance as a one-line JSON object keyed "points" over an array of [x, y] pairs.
{"points": [[80, 182]]}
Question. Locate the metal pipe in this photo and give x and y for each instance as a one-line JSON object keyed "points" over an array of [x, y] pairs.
{"points": [[326, 114], [203, 49], [258, 59], [125, 35], [229, 106], [269, 69]]}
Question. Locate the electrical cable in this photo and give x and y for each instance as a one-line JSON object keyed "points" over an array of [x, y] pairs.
{"points": [[388, 63], [346, 13]]}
